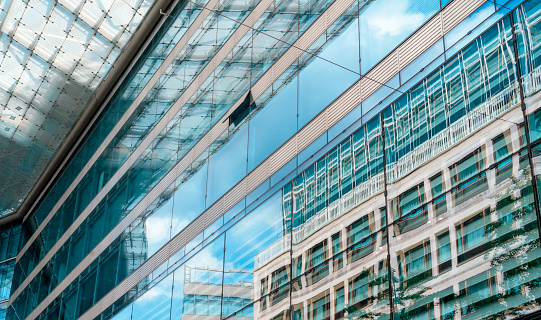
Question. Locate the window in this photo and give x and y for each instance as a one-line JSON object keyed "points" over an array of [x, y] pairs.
{"points": [[480, 289], [281, 316], [472, 236], [310, 192], [346, 166], [321, 186], [535, 123], [360, 243], [524, 161], [336, 244], [383, 277], [383, 212], [333, 175], [447, 304], [287, 206], [264, 289], [438, 117], [204, 304], [437, 185], [468, 178], [297, 272], [279, 278], [264, 286], [417, 264], [425, 312], [337, 250], [189, 304], [444, 252], [339, 302], [439, 203], [298, 311], [298, 201], [360, 157], [279, 288], [316, 264], [360, 290], [375, 146], [317, 255], [321, 308], [502, 147], [410, 211], [467, 167], [502, 152], [411, 200]]}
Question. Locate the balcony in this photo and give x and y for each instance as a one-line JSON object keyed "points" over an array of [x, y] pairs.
{"points": [[325, 216], [532, 82], [455, 133]]}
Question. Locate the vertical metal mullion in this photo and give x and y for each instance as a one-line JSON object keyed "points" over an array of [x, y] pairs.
{"points": [[389, 270], [526, 123]]}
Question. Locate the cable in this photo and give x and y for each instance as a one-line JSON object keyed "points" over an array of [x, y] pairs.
{"points": [[327, 60], [293, 46]]}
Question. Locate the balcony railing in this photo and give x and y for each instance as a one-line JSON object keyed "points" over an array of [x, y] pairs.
{"points": [[456, 132], [335, 210], [532, 82], [272, 251]]}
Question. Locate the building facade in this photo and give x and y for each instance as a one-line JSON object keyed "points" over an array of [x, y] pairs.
{"points": [[305, 160]]}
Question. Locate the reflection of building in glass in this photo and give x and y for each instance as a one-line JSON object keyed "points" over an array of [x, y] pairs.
{"points": [[456, 229], [10, 237], [204, 294], [280, 160]]}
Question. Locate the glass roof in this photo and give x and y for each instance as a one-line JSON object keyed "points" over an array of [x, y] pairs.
{"points": [[53, 57]]}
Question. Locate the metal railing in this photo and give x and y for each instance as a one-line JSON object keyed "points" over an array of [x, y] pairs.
{"points": [[457, 131], [325, 216], [272, 251], [532, 82]]}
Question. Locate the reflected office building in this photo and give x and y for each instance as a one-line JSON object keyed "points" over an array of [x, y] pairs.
{"points": [[270, 159], [204, 289]]}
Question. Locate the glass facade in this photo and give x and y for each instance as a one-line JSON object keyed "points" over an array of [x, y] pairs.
{"points": [[10, 237], [54, 56], [421, 202]]}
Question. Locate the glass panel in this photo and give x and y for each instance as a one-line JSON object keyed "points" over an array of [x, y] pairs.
{"points": [[264, 138], [227, 166], [385, 24], [248, 255]]}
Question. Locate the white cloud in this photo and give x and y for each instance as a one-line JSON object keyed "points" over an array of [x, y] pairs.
{"points": [[157, 229], [207, 259], [392, 18], [394, 24], [160, 291], [469, 24]]}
